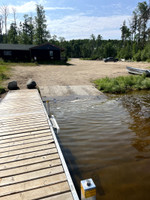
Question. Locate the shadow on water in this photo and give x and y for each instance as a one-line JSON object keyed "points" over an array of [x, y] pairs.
{"points": [[72, 165], [75, 172], [109, 141]]}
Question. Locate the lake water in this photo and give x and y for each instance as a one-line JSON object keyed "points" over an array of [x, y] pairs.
{"points": [[109, 141]]}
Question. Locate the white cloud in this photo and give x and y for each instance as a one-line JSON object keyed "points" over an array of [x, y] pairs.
{"points": [[78, 26], [24, 8], [58, 8], [30, 7]]}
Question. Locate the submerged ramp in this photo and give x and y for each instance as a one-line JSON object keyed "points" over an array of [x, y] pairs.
{"points": [[69, 91], [31, 162]]}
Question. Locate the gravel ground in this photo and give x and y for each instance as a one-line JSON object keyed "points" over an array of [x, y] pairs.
{"points": [[79, 72]]}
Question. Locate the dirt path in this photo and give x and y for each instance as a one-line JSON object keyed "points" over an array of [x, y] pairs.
{"points": [[80, 72]]}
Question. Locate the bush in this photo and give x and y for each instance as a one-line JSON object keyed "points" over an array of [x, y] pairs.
{"points": [[148, 60], [137, 56], [144, 55], [123, 84]]}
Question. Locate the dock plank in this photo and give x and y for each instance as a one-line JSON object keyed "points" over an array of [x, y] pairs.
{"points": [[26, 141], [27, 159], [26, 176], [18, 153], [41, 192], [29, 168], [65, 196], [32, 184], [21, 135]]}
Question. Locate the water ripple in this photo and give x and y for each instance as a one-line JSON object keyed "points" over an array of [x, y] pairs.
{"points": [[104, 140]]}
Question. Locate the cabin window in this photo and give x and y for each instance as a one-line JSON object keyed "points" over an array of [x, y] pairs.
{"points": [[7, 53], [51, 53]]}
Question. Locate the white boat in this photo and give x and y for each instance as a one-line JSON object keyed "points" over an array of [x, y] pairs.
{"points": [[138, 71]]}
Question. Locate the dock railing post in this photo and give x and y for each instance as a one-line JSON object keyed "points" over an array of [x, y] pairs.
{"points": [[48, 108], [88, 190]]}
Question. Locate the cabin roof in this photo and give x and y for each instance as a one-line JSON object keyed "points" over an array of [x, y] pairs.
{"points": [[46, 46], [26, 47], [15, 47]]}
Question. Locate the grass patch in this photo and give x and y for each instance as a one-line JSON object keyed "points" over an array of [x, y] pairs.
{"points": [[17, 63], [123, 84], [50, 62], [95, 58], [4, 74], [85, 58]]}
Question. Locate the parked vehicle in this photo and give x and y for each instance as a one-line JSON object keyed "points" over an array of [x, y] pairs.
{"points": [[110, 59]]}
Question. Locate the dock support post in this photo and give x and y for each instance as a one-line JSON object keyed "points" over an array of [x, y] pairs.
{"points": [[47, 106], [88, 190]]}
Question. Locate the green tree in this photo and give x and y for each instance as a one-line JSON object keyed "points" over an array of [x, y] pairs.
{"points": [[109, 50], [12, 34], [125, 32], [98, 40], [41, 33], [142, 15], [133, 25], [27, 30]]}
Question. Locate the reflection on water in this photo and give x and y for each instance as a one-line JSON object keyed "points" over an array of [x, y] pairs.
{"points": [[108, 141], [138, 106]]}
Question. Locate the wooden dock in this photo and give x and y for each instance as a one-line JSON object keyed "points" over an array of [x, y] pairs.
{"points": [[32, 165]]}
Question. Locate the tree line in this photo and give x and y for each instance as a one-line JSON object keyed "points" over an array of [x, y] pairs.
{"points": [[33, 30], [134, 43], [136, 37]]}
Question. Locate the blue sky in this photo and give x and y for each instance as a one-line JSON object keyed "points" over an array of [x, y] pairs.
{"points": [[78, 19]]}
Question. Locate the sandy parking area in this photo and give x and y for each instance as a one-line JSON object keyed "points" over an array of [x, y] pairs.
{"points": [[80, 72]]}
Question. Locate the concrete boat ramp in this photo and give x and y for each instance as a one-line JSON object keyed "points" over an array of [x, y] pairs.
{"points": [[69, 92]]}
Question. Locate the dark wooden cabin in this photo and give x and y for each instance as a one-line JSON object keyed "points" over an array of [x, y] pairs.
{"points": [[22, 52]]}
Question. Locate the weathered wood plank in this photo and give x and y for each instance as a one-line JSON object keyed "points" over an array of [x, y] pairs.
{"points": [[18, 153], [12, 141], [26, 139], [21, 135], [32, 184], [64, 196], [28, 159], [6, 118], [27, 177], [21, 123], [7, 178], [22, 143], [41, 192], [30, 167], [40, 127], [25, 146], [20, 128]]}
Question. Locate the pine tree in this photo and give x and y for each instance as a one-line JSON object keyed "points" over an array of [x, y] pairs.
{"points": [[27, 30], [12, 34], [140, 20], [125, 32], [41, 33]]}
